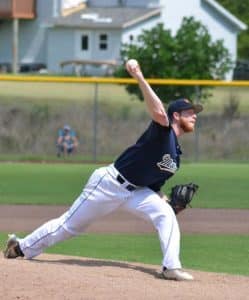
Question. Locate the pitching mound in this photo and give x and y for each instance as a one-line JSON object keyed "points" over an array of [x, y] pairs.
{"points": [[64, 277]]}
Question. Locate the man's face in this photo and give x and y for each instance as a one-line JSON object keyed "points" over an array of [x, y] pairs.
{"points": [[187, 120]]}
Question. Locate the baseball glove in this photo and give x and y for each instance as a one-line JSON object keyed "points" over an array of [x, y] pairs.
{"points": [[181, 196]]}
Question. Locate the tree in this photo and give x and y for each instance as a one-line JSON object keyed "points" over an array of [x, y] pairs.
{"points": [[191, 54], [240, 9]]}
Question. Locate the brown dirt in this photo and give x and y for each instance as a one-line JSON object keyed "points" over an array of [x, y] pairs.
{"points": [[64, 277]]}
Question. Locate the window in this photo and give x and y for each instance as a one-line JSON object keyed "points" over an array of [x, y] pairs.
{"points": [[84, 42], [103, 41]]}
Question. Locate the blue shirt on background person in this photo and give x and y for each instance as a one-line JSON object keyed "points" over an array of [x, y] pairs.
{"points": [[67, 141]]}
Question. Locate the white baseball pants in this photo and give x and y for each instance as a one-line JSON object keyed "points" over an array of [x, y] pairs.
{"points": [[102, 195]]}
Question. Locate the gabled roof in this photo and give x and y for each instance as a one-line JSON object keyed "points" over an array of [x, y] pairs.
{"points": [[230, 17], [109, 17]]}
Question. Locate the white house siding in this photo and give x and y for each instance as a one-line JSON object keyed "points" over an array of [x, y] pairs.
{"points": [[173, 12], [138, 29], [32, 37], [54, 8], [45, 9], [111, 53], [31, 34], [35, 36], [142, 3], [60, 47], [134, 3], [218, 27], [6, 42], [68, 47], [114, 43], [36, 46], [101, 3]]}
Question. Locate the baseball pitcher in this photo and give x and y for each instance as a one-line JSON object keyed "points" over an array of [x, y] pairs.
{"points": [[133, 182]]}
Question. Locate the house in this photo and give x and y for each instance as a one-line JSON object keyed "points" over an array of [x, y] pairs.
{"points": [[69, 35]]}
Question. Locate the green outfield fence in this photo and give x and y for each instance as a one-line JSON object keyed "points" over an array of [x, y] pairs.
{"points": [[108, 119]]}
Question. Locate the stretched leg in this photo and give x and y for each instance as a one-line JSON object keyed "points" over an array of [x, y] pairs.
{"points": [[97, 199], [147, 204]]}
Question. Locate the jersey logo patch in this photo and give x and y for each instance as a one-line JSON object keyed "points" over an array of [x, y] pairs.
{"points": [[167, 164]]}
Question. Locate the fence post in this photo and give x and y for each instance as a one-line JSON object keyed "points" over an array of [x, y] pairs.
{"points": [[95, 121], [197, 146], [15, 46]]}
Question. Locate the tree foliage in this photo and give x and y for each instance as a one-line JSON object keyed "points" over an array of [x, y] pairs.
{"points": [[190, 54], [240, 8]]}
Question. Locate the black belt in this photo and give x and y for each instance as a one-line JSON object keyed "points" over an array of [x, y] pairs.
{"points": [[129, 187]]}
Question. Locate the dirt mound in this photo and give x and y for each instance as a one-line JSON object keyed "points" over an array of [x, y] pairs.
{"points": [[55, 277], [76, 278]]}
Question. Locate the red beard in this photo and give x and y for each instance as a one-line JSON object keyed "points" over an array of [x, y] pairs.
{"points": [[186, 126]]}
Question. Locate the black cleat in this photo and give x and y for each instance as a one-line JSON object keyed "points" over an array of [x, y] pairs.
{"points": [[12, 249]]}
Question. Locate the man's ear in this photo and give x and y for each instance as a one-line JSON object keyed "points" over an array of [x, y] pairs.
{"points": [[176, 115]]}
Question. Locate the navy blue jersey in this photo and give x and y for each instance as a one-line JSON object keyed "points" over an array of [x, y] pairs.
{"points": [[153, 159]]}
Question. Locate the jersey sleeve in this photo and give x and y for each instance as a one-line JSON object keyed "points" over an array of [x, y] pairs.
{"points": [[156, 130], [159, 129]]}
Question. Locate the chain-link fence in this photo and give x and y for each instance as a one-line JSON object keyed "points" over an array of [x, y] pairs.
{"points": [[107, 119]]}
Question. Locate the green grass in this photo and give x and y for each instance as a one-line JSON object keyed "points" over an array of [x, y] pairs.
{"points": [[221, 96], [55, 94], [46, 158], [213, 253], [221, 185], [216, 253], [42, 183], [58, 94]]}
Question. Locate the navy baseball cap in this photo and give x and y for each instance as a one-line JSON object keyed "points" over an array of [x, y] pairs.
{"points": [[183, 104]]}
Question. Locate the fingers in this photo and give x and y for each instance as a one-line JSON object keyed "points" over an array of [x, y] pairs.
{"points": [[133, 68]]}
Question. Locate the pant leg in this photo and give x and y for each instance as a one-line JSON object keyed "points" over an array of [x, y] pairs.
{"points": [[100, 196], [148, 205]]}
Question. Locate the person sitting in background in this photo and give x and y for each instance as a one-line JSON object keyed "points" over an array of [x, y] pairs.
{"points": [[67, 141]]}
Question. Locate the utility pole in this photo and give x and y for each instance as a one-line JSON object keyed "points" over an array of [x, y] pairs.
{"points": [[15, 44]]}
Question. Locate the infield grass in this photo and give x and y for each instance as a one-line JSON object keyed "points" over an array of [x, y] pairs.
{"points": [[221, 185], [212, 253]]}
